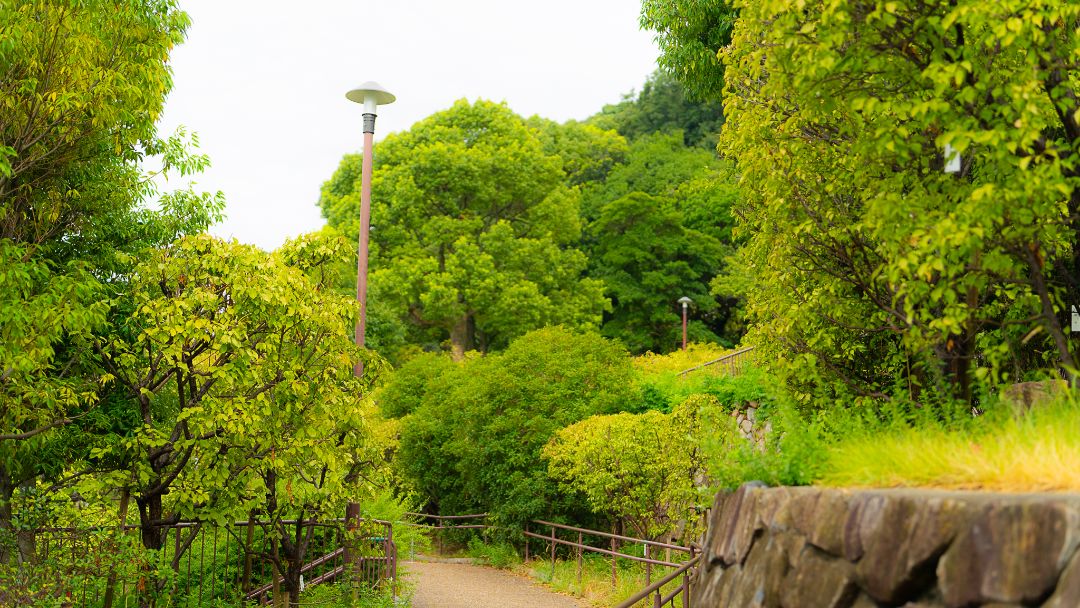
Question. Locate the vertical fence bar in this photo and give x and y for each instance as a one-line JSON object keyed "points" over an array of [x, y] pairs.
{"points": [[553, 554], [614, 576], [526, 541], [579, 552], [245, 580], [648, 567]]}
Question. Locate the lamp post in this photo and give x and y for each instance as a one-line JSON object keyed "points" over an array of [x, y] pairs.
{"points": [[371, 95], [685, 301]]}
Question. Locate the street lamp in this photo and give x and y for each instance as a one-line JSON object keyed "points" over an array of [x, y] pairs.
{"points": [[685, 301], [371, 94]]}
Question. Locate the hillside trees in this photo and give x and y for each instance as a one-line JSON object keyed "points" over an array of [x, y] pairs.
{"points": [[663, 106], [659, 228], [872, 266], [473, 231]]}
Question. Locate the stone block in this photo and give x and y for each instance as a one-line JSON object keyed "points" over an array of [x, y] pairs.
{"points": [[737, 526], [1012, 553], [1067, 594], [900, 539], [819, 581]]}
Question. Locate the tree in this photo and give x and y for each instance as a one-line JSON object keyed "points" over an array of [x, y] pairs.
{"points": [[662, 106], [659, 228], [81, 85], [691, 35], [638, 469], [472, 229], [588, 152], [474, 441], [236, 360], [872, 269], [646, 257]]}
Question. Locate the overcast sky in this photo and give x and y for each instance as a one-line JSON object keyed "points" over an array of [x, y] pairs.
{"points": [[263, 83]]}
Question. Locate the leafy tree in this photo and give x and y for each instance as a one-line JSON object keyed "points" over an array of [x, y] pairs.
{"points": [[647, 258], [691, 35], [869, 265], [81, 85], [474, 441], [239, 361], [659, 228], [472, 228], [638, 469], [588, 152], [662, 106]]}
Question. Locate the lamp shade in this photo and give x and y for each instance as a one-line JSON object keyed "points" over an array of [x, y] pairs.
{"points": [[373, 90]]}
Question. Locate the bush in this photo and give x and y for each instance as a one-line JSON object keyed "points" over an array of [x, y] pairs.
{"points": [[497, 555], [473, 442]]}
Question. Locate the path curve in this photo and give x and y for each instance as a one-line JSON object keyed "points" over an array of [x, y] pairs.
{"points": [[443, 585]]}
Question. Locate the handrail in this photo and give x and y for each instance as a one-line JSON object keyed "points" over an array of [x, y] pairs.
{"points": [[655, 587], [433, 516], [634, 558], [615, 536], [719, 360]]}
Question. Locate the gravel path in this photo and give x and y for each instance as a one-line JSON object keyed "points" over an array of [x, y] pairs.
{"points": [[441, 585]]}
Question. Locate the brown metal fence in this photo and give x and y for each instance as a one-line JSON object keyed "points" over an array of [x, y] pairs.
{"points": [[651, 556], [732, 364], [199, 564]]}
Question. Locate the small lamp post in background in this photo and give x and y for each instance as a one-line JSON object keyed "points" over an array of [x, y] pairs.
{"points": [[685, 301], [371, 94]]}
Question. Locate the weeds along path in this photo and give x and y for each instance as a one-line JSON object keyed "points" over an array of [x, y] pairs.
{"points": [[449, 585]]}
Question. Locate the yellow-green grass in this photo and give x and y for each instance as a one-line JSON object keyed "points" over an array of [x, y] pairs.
{"points": [[1038, 451], [596, 587]]}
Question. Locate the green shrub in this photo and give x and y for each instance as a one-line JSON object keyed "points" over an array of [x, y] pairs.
{"points": [[497, 555], [473, 443]]}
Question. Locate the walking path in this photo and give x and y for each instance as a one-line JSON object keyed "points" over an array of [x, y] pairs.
{"points": [[455, 585]]}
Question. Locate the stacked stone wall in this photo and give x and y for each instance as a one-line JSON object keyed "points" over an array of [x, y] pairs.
{"points": [[833, 548]]}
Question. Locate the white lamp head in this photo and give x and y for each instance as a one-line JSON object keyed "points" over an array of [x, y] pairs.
{"points": [[370, 94], [685, 301]]}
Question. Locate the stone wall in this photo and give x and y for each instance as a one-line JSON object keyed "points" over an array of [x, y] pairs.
{"points": [[832, 548]]}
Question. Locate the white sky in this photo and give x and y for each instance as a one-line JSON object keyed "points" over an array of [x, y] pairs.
{"points": [[263, 83]]}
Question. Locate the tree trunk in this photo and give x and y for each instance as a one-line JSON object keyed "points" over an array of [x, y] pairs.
{"points": [[150, 512], [25, 540], [462, 337]]}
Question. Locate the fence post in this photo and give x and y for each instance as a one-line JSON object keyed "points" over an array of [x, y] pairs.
{"points": [[245, 583], [526, 541], [614, 576], [579, 551], [553, 554], [648, 567], [348, 546]]}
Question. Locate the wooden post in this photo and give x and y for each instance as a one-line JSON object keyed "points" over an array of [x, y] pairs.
{"points": [[526, 541]]}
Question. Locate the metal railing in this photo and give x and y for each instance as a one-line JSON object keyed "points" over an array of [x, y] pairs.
{"points": [[439, 526], [732, 363], [198, 563], [648, 558], [687, 571]]}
